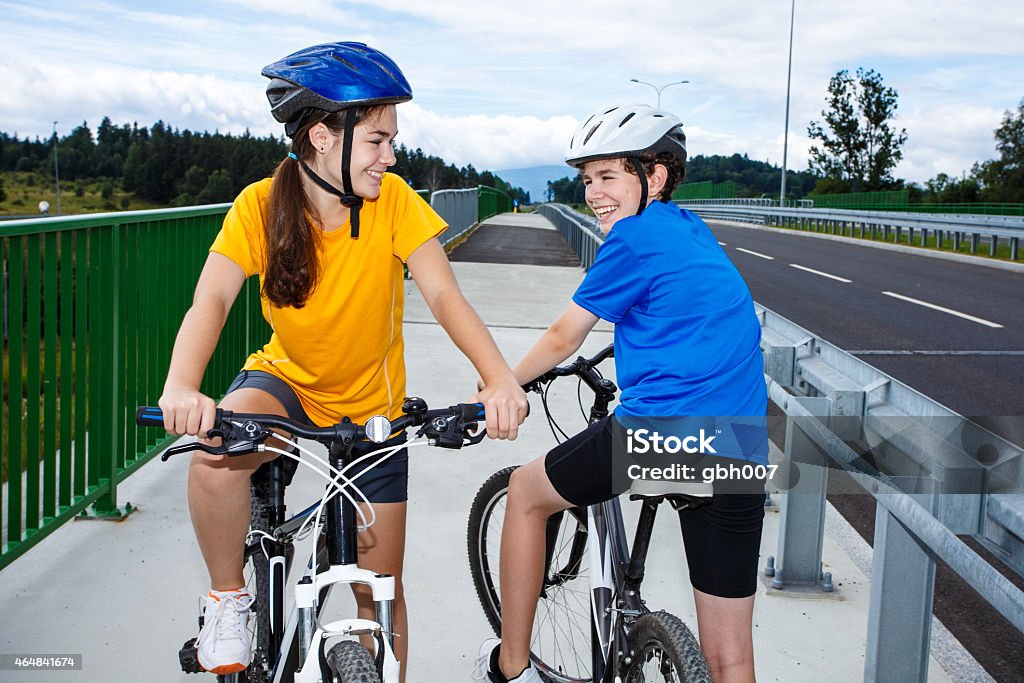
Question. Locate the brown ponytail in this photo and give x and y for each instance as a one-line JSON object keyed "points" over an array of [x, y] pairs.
{"points": [[293, 244]]}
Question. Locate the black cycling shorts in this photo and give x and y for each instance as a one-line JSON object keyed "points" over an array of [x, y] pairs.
{"points": [[385, 483], [722, 538]]}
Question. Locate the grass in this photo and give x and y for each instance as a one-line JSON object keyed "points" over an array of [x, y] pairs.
{"points": [[24, 191]]}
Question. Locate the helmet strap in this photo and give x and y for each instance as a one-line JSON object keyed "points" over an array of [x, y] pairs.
{"points": [[639, 167], [348, 198]]}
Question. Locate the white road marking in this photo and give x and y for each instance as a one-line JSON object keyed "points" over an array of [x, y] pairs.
{"points": [[818, 272], [973, 319], [754, 253], [723, 244]]}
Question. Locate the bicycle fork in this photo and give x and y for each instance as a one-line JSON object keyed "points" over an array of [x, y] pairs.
{"points": [[342, 555]]}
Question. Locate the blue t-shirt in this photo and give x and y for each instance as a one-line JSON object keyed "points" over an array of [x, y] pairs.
{"points": [[687, 339]]}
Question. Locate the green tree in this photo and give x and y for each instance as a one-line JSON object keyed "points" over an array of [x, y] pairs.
{"points": [[858, 145], [1003, 178], [219, 188]]}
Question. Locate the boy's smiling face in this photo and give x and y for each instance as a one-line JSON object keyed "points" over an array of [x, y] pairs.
{"points": [[612, 192]]}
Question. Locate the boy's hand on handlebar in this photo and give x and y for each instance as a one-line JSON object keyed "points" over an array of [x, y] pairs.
{"points": [[505, 407], [186, 411]]}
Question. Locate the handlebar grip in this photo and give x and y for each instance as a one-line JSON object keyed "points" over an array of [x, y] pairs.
{"points": [[152, 416], [471, 412], [149, 416]]}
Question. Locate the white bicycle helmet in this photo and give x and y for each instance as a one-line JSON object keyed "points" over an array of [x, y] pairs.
{"points": [[627, 131]]}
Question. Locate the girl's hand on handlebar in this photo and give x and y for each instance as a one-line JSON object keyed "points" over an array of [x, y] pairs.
{"points": [[505, 407], [186, 411]]}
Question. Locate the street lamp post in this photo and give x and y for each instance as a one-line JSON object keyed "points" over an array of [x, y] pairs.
{"points": [[789, 76], [56, 165], [656, 88]]}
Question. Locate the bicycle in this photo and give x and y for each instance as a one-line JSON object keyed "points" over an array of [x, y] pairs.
{"points": [[293, 650], [612, 636]]}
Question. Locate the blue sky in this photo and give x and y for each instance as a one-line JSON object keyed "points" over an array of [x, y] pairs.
{"points": [[501, 85]]}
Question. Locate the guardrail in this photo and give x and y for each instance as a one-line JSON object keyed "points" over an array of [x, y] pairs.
{"points": [[460, 209], [579, 230], [940, 228], [934, 475], [90, 309]]}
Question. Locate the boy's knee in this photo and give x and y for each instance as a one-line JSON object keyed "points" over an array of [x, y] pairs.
{"points": [[531, 491]]}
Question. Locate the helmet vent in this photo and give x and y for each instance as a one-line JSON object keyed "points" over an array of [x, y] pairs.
{"points": [[591, 133], [346, 62], [300, 62], [628, 117]]}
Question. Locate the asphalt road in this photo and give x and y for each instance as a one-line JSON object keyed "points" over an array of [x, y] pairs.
{"points": [[967, 365]]}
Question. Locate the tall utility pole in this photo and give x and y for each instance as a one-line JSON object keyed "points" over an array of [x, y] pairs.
{"points": [[656, 88], [789, 77], [56, 165]]}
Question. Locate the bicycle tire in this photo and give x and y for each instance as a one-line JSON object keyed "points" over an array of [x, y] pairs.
{"points": [[662, 641], [350, 662], [561, 645], [256, 571]]}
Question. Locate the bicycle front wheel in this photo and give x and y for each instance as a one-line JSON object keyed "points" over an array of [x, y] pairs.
{"points": [[350, 662], [561, 645], [662, 648]]}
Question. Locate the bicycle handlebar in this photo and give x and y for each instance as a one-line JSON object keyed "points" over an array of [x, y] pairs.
{"points": [[242, 433], [583, 368]]}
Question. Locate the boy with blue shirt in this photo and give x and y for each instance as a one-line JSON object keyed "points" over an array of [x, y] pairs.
{"points": [[687, 343]]}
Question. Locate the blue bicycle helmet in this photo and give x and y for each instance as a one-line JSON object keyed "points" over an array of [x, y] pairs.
{"points": [[333, 77]]}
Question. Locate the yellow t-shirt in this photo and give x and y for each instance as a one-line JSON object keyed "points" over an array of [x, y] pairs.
{"points": [[342, 352]]}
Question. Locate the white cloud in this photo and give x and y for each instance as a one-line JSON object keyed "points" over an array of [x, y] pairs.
{"points": [[487, 142], [499, 84]]}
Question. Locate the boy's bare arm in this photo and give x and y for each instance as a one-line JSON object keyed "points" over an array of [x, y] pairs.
{"points": [[561, 340]]}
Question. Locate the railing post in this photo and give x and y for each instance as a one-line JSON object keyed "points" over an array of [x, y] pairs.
{"points": [[107, 451], [802, 508], [1014, 248], [975, 241], [902, 591]]}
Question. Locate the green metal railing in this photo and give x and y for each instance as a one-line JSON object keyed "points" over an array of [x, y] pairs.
{"points": [[492, 202], [91, 306], [899, 200], [705, 190]]}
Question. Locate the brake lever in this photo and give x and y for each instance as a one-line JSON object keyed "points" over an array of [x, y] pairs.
{"points": [[475, 437], [239, 447]]}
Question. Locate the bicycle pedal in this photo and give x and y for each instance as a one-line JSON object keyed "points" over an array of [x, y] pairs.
{"points": [[188, 656]]}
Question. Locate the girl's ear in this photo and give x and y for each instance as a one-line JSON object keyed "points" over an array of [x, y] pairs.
{"points": [[656, 181], [318, 135]]}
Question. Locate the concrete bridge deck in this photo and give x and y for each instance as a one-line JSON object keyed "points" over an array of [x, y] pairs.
{"points": [[124, 595]]}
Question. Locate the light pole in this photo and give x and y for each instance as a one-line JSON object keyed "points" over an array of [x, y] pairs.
{"points": [[56, 165], [789, 76], [656, 88]]}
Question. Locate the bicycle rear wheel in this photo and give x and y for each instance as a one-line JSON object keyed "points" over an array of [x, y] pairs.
{"points": [[561, 645], [662, 648], [257, 572]]}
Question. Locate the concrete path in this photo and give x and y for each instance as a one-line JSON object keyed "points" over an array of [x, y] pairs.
{"points": [[125, 595]]}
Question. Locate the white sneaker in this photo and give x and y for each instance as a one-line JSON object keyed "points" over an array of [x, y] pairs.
{"points": [[484, 672], [224, 646]]}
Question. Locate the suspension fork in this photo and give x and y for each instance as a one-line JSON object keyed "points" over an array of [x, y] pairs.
{"points": [[343, 545]]}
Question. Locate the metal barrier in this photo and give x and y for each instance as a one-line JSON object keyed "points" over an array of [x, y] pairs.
{"points": [[579, 230], [934, 474], [460, 209], [940, 228], [492, 202], [90, 310]]}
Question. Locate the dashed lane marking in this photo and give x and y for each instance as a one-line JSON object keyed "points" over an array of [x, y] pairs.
{"points": [[950, 311]]}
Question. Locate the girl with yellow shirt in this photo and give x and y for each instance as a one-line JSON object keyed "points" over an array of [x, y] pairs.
{"points": [[327, 236]]}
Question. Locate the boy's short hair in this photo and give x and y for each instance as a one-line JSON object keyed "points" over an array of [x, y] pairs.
{"points": [[675, 167]]}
